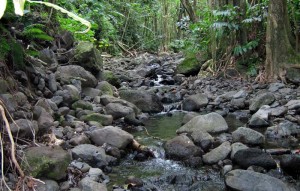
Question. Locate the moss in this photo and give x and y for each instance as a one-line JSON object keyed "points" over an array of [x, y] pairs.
{"points": [[106, 88], [111, 78], [83, 105], [189, 66], [97, 117], [17, 54]]}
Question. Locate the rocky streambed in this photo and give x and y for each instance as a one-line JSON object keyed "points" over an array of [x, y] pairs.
{"points": [[101, 127]]}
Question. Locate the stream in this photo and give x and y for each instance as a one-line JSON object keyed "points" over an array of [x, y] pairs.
{"points": [[160, 173]]}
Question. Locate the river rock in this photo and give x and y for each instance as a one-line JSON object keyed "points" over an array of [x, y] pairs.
{"points": [[105, 88], [293, 104], [235, 147], [24, 128], [273, 87], [202, 139], [263, 99], [65, 74], [91, 92], [99, 118], [290, 164], [79, 139], [217, 154], [253, 157], [283, 129], [187, 117], [260, 118], [211, 123], [47, 185], [85, 105], [278, 111], [48, 162], [3, 86], [106, 99], [147, 101], [248, 136], [88, 184], [117, 110], [45, 121], [189, 66], [194, 102], [181, 148], [245, 180], [240, 94], [92, 155], [113, 136], [88, 56], [9, 102]]}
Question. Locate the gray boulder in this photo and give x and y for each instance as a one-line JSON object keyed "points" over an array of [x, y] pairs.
{"points": [[9, 101], [106, 99], [99, 118], [88, 184], [113, 136], [91, 92], [245, 180], [92, 155], [202, 139], [217, 154], [211, 123], [65, 74], [69, 93], [293, 104], [105, 88], [117, 110], [283, 129], [45, 121], [47, 162], [147, 101], [235, 147], [263, 99], [260, 118], [194, 102], [88, 56], [253, 157], [181, 148], [24, 128], [248, 136], [47, 185]]}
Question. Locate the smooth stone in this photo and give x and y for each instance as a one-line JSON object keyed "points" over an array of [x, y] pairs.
{"points": [[248, 136]]}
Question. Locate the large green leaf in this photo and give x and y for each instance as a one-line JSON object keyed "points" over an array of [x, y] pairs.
{"points": [[19, 7], [2, 7]]}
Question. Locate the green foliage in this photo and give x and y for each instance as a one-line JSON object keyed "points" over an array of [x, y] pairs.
{"points": [[36, 32], [4, 48], [240, 50]]}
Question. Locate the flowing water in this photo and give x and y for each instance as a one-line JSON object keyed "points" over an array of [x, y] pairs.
{"points": [[161, 173]]}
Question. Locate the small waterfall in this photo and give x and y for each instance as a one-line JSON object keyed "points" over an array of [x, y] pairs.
{"points": [[172, 106], [278, 168]]}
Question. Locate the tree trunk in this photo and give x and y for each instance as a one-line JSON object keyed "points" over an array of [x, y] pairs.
{"points": [[189, 9], [279, 51]]}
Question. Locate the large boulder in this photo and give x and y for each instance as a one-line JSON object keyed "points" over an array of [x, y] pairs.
{"points": [[211, 123], [217, 154], [260, 118], [248, 136], [99, 118], [254, 157], [65, 74], [246, 180], [24, 128], [189, 66], [113, 136], [263, 99], [47, 162], [202, 139], [147, 101], [106, 88], [235, 147], [181, 148], [89, 57], [92, 155], [106, 99], [194, 102], [117, 110]]}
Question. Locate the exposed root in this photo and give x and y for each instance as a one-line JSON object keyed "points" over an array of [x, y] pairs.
{"points": [[12, 142]]}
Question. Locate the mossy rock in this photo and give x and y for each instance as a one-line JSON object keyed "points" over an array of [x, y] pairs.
{"points": [[293, 75], [100, 118], [111, 78], [82, 104], [190, 65], [47, 162], [106, 88]]}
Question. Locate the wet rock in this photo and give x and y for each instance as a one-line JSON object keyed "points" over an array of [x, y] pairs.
{"points": [[65, 74], [248, 136], [235, 147], [245, 180], [117, 110], [113, 136], [252, 156], [88, 56], [291, 164], [260, 118], [24, 128], [194, 102], [202, 139], [263, 99], [92, 155], [134, 182], [217, 154], [211, 123], [48, 162], [181, 147], [88, 184], [48, 185], [99, 118], [147, 101]]}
